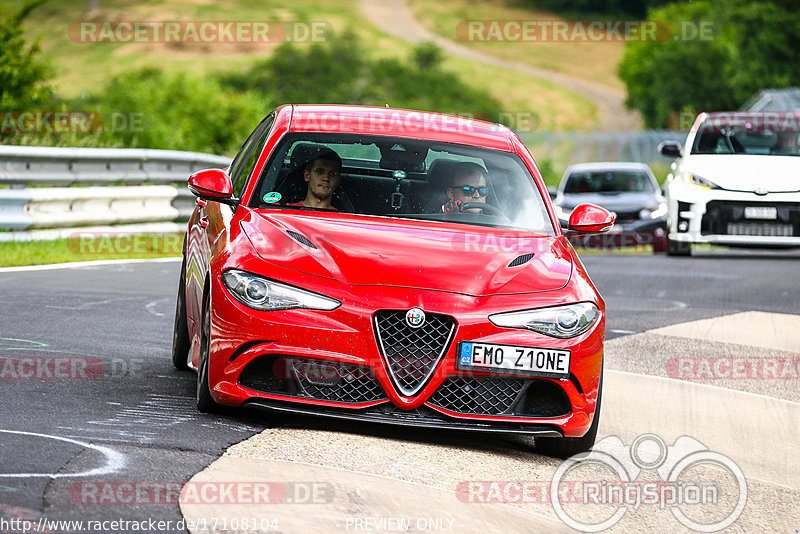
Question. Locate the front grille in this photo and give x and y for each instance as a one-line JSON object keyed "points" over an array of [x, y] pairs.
{"points": [[728, 218], [313, 378], [485, 396], [501, 396], [412, 354], [760, 229]]}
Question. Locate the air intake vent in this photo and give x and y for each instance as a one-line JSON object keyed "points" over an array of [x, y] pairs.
{"points": [[519, 260], [300, 238]]}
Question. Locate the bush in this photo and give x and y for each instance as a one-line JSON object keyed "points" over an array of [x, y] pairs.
{"points": [[150, 109], [23, 75]]}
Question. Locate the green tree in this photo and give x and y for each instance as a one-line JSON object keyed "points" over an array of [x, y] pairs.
{"points": [[23, 76], [754, 46], [340, 71]]}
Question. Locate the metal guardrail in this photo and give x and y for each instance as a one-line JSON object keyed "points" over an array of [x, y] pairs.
{"points": [[69, 188], [28, 165], [566, 148]]}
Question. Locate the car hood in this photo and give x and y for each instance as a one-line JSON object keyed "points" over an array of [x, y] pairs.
{"points": [[747, 172], [617, 202], [362, 250]]}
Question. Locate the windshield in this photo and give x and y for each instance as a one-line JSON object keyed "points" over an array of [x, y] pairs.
{"points": [[406, 178], [609, 182], [745, 138]]}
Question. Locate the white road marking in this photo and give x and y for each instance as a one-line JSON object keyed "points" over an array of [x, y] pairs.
{"points": [[150, 307], [92, 303], [115, 460], [78, 264], [24, 341]]}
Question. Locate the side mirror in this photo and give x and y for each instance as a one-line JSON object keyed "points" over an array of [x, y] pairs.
{"points": [[671, 149], [552, 191], [590, 218], [212, 184]]}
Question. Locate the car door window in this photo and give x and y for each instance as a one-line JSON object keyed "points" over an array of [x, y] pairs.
{"points": [[245, 161]]}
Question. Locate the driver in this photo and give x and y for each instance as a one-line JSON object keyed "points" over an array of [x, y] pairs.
{"points": [[323, 176], [467, 185]]}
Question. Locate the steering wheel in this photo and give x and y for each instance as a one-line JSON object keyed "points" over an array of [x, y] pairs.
{"points": [[486, 208]]}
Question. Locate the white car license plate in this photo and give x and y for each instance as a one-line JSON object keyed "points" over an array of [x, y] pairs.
{"points": [[761, 212], [492, 357]]}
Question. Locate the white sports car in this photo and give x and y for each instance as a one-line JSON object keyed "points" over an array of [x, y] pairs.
{"points": [[736, 182]]}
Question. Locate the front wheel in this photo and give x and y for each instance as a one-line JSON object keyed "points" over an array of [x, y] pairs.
{"points": [[566, 447], [180, 333], [205, 403]]}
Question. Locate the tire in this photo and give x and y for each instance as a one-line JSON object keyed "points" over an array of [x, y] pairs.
{"points": [[678, 248], [180, 333], [205, 403], [566, 447]]}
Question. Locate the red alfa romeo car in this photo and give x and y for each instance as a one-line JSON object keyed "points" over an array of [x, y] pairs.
{"points": [[391, 266]]}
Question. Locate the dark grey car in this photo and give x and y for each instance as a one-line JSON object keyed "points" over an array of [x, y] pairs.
{"points": [[628, 189]]}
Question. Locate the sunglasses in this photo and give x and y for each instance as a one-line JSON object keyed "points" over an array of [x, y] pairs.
{"points": [[470, 191]]}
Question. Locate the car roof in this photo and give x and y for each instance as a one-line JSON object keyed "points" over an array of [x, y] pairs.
{"points": [[405, 123]]}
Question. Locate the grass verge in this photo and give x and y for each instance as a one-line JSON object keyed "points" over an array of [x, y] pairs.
{"points": [[90, 248]]}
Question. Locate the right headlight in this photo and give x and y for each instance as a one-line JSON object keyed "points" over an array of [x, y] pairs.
{"points": [[557, 321], [263, 294], [699, 181]]}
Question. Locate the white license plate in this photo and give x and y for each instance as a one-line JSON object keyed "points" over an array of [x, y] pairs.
{"points": [[492, 357], [761, 212]]}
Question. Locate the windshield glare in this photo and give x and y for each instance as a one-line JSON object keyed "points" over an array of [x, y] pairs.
{"points": [[608, 182], [406, 178], [741, 139]]}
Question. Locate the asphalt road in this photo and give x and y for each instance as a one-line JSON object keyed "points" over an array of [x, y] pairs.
{"points": [[92, 402]]}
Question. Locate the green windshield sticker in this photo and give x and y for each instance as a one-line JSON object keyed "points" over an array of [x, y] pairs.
{"points": [[273, 197]]}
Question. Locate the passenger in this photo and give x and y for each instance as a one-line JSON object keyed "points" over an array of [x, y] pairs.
{"points": [[323, 177], [467, 185]]}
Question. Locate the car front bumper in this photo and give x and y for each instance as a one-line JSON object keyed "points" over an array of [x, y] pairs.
{"points": [[261, 359], [719, 218]]}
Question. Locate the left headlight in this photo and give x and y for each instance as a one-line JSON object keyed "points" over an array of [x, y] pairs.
{"points": [[558, 321], [263, 294]]}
